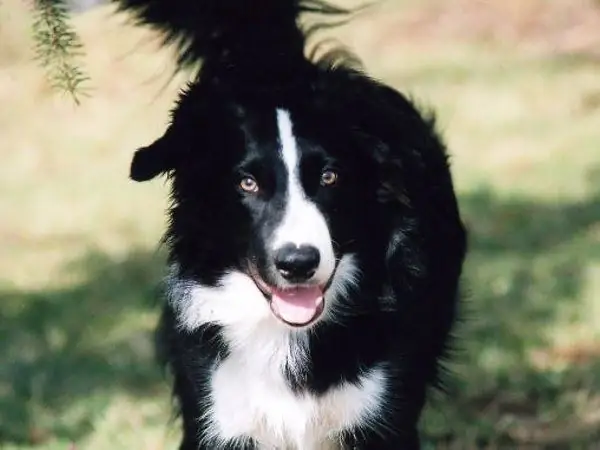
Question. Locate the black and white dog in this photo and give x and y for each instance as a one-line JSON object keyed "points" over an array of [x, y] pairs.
{"points": [[315, 240]]}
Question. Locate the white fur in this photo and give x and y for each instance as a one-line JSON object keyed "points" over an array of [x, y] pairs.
{"points": [[303, 223], [249, 393], [238, 305], [250, 397]]}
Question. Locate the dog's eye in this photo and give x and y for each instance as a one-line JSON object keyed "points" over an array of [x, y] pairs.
{"points": [[328, 177], [249, 184]]}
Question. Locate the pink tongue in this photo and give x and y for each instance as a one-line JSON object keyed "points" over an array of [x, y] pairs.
{"points": [[297, 306]]}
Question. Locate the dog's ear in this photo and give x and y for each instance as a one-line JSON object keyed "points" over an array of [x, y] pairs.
{"points": [[155, 159], [391, 188]]}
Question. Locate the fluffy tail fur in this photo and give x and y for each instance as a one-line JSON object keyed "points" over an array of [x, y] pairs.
{"points": [[250, 41]]}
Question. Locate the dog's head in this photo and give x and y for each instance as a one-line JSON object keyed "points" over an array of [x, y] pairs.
{"points": [[297, 202]]}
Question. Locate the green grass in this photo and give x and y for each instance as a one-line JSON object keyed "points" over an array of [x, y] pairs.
{"points": [[70, 352], [79, 264]]}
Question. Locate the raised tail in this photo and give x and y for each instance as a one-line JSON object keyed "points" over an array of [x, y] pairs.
{"points": [[256, 41]]}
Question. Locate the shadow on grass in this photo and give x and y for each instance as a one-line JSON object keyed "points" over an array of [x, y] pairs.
{"points": [[525, 266], [525, 276], [65, 351]]}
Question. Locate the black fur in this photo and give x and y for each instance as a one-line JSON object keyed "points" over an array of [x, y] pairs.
{"points": [[394, 207]]}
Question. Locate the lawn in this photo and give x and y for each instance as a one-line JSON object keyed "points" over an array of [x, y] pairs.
{"points": [[80, 262]]}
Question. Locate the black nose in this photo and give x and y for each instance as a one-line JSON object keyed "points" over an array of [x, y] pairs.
{"points": [[297, 263]]}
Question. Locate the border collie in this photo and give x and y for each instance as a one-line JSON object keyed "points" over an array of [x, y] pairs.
{"points": [[315, 242]]}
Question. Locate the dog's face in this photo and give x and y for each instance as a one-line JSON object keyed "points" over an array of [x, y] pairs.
{"points": [[284, 203]]}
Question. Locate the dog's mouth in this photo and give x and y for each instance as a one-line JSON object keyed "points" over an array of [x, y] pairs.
{"points": [[296, 306]]}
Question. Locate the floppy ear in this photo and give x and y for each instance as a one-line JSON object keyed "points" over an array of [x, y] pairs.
{"points": [[391, 188], [152, 160]]}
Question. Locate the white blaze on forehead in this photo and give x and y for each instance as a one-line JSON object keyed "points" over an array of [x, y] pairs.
{"points": [[302, 223]]}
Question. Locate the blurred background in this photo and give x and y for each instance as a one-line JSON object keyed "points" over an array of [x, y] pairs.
{"points": [[516, 84]]}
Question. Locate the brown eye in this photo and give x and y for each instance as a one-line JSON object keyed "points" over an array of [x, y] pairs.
{"points": [[328, 178], [249, 184]]}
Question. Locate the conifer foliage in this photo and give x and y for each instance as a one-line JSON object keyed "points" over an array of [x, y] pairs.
{"points": [[57, 47]]}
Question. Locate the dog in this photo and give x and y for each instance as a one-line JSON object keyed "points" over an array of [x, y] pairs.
{"points": [[315, 241]]}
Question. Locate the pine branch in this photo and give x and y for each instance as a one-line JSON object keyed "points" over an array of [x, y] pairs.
{"points": [[57, 47]]}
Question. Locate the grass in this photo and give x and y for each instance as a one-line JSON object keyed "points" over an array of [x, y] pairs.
{"points": [[78, 267]]}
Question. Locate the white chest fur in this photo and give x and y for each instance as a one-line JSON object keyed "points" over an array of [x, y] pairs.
{"points": [[250, 397], [249, 394]]}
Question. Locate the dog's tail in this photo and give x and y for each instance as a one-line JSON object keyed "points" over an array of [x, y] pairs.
{"points": [[257, 41]]}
